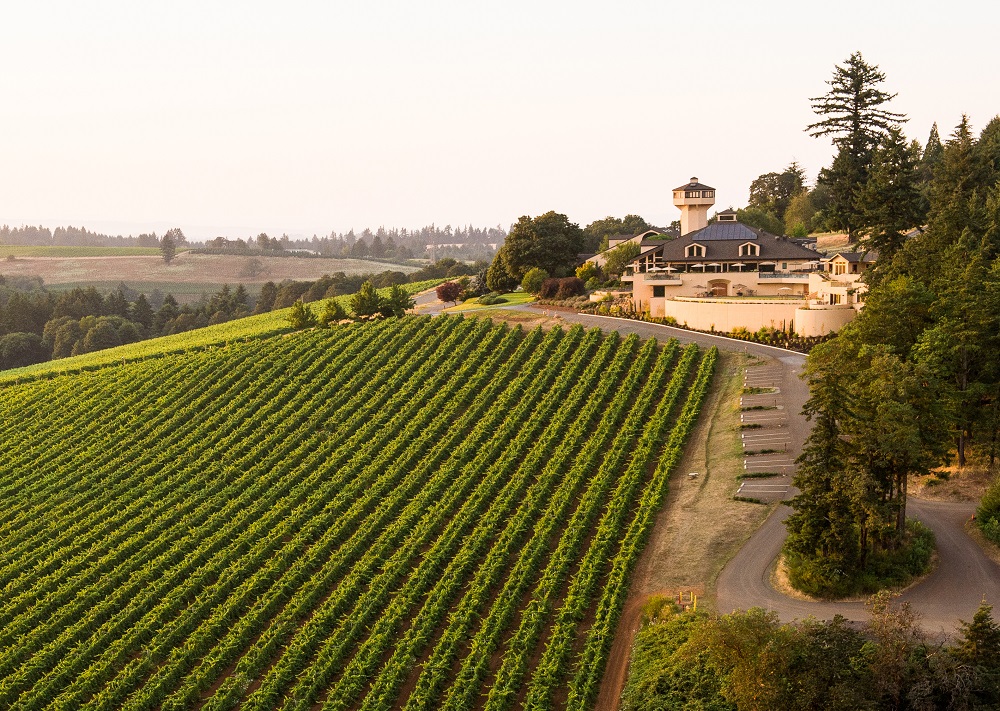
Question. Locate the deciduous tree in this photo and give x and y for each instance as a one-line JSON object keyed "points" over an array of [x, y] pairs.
{"points": [[620, 257], [549, 241], [448, 291]]}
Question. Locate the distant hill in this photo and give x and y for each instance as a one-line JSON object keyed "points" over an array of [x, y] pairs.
{"points": [[188, 273]]}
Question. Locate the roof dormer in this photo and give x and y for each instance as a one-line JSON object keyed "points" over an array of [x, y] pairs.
{"points": [[694, 250], [728, 215], [749, 249]]}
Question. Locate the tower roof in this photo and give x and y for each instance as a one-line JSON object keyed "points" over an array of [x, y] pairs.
{"points": [[694, 185]]}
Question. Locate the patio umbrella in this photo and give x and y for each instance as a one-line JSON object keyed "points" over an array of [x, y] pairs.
{"points": [[715, 265], [785, 288], [697, 265], [738, 264], [769, 264], [670, 268]]}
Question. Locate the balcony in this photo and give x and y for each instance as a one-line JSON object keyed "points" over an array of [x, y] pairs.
{"points": [[791, 276], [661, 278]]}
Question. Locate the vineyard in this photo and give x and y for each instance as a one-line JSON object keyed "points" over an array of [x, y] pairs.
{"points": [[251, 327], [421, 514]]}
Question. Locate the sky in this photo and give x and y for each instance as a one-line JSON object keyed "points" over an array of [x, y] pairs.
{"points": [[233, 118]]}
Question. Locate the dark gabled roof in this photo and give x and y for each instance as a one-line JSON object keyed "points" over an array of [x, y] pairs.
{"points": [[722, 242], [694, 186], [855, 256]]}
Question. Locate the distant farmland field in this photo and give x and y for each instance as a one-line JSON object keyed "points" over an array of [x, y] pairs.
{"points": [[191, 273], [420, 514], [17, 250]]}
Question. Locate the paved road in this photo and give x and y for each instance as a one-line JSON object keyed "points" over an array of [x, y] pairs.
{"points": [[963, 578], [964, 575]]}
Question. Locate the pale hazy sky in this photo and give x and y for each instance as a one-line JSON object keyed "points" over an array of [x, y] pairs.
{"points": [[239, 117]]}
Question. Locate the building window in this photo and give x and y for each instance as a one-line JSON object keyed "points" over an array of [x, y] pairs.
{"points": [[694, 250], [659, 292], [708, 193], [749, 250], [692, 193], [784, 266]]}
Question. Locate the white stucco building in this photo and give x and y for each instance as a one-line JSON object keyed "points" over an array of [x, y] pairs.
{"points": [[727, 275]]}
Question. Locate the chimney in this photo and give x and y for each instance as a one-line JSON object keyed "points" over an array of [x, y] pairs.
{"points": [[694, 181]]}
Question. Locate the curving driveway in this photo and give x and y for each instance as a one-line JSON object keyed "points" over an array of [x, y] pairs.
{"points": [[963, 578]]}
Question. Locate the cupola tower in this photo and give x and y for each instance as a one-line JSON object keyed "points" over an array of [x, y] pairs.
{"points": [[694, 199]]}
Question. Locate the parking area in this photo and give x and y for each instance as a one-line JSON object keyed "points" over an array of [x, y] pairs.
{"points": [[768, 464]]}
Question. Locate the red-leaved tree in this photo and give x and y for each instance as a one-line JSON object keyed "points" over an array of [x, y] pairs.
{"points": [[448, 291]]}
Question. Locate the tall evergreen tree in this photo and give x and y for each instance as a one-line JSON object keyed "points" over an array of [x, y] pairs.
{"points": [[823, 529], [853, 114], [168, 247], [889, 203], [932, 155]]}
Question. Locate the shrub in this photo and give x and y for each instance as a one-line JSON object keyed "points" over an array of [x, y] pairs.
{"points": [[532, 282], [367, 301], [592, 283], [988, 513], [588, 271], [570, 286], [498, 278], [332, 313], [550, 287], [301, 316], [492, 299]]}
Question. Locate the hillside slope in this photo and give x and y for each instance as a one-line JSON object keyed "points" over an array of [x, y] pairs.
{"points": [[422, 513]]}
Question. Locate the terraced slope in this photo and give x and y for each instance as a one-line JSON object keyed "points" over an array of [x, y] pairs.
{"points": [[420, 514]]}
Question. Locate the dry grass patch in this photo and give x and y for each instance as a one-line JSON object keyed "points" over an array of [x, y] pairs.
{"points": [[952, 484], [700, 527]]}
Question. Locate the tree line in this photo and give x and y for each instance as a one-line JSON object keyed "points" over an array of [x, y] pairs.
{"points": [[913, 382], [750, 661], [39, 324], [466, 242]]}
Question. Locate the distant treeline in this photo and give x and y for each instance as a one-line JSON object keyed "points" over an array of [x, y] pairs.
{"points": [[71, 237], [38, 324], [468, 243]]}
